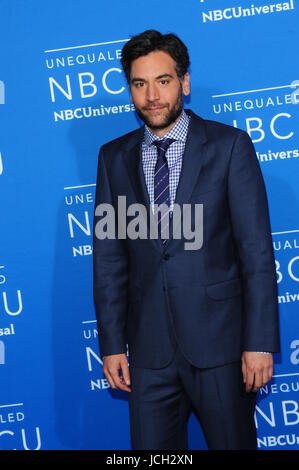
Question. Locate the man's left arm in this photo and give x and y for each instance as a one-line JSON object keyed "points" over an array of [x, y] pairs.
{"points": [[252, 234]]}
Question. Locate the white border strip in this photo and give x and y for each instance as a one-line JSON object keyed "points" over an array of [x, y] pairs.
{"points": [[15, 404], [89, 321], [287, 231], [253, 91], [285, 375], [85, 45], [81, 186]]}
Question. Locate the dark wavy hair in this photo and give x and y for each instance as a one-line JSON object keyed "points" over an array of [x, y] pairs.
{"points": [[152, 40]]}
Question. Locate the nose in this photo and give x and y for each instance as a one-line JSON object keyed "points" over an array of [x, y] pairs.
{"points": [[152, 92]]}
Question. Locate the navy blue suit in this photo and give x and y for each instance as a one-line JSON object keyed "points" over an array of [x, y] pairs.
{"points": [[207, 305]]}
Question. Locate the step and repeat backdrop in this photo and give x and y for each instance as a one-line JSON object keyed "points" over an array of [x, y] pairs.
{"points": [[62, 95]]}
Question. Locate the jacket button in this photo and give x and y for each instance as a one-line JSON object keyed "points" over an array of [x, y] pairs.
{"points": [[166, 256], [164, 289]]}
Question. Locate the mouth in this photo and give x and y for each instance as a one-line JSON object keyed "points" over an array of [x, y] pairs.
{"points": [[153, 109]]}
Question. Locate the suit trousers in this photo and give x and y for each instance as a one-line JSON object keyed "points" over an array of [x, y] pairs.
{"points": [[161, 399]]}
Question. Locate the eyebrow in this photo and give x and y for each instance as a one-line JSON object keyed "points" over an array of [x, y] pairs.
{"points": [[164, 75]]}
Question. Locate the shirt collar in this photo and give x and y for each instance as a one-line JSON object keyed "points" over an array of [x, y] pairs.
{"points": [[177, 132]]}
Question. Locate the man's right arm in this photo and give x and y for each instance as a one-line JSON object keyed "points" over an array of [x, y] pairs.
{"points": [[110, 274]]}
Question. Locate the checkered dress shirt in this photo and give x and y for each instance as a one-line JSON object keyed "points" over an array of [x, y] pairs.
{"points": [[174, 156]]}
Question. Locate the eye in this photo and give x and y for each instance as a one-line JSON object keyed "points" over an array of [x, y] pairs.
{"points": [[164, 82], [139, 84]]}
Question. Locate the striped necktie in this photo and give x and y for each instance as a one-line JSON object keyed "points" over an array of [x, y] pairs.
{"points": [[161, 184]]}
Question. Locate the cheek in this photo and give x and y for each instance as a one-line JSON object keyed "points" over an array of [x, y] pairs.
{"points": [[172, 94], [138, 97]]}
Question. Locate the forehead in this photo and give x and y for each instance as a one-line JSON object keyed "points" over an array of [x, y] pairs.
{"points": [[152, 65]]}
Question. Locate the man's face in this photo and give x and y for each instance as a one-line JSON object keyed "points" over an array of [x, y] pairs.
{"points": [[156, 90]]}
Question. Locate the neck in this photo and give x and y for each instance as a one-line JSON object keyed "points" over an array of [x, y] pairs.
{"points": [[161, 132]]}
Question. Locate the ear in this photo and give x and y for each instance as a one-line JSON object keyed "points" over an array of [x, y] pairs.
{"points": [[186, 84]]}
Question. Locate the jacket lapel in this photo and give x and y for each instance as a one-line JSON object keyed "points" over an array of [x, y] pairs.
{"points": [[193, 158], [133, 162]]}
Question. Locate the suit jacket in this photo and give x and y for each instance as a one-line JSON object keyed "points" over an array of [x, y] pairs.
{"points": [[216, 301]]}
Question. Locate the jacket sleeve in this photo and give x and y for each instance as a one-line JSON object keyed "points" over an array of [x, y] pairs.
{"points": [[110, 273], [252, 234]]}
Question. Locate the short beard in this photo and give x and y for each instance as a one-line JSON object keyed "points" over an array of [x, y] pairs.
{"points": [[171, 116]]}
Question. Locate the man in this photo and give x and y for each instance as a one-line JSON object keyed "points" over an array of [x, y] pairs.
{"points": [[200, 324]]}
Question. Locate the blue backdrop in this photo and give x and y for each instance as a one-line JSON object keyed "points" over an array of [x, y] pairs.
{"points": [[62, 95]]}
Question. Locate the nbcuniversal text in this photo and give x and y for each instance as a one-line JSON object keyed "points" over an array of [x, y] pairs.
{"points": [[132, 222]]}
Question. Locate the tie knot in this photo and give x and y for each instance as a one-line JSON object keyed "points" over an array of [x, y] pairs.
{"points": [[162, 145]]}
